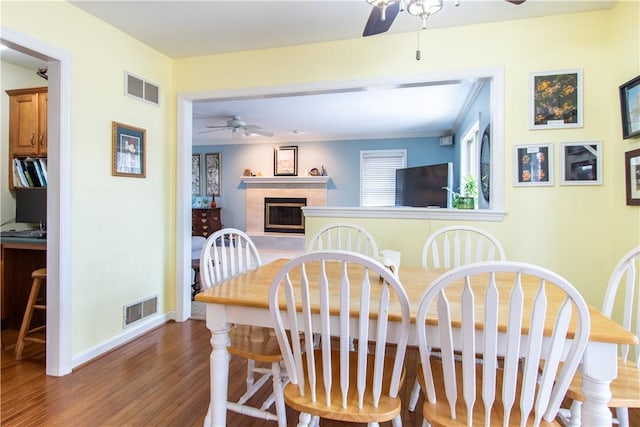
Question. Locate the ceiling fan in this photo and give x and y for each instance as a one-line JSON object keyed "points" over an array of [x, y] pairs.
{"points": [[384, 12], [238, 128]]}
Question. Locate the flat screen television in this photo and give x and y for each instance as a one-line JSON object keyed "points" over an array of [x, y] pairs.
{"points": [[31, 205], [423, 186]]}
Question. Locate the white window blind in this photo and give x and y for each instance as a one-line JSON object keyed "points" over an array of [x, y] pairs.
{"points": [[378, 176]]}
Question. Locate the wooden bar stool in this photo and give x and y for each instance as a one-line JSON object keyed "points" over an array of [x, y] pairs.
{"points": [[38, 277]]}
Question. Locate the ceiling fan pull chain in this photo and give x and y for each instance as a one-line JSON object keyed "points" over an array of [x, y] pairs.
{"points": [[418, 49]]}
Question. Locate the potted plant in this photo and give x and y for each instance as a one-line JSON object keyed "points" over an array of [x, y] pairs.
{"points": [[466, 198]]}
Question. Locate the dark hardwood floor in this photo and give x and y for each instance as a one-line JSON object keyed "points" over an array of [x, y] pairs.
{"points": [[160, 379]]}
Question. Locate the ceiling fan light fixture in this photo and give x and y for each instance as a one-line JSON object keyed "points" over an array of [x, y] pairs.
{"points": [[424, 9], [382, 5]]}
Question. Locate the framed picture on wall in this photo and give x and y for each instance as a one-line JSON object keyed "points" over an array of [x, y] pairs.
{"points": [[556, 99], [632, 173], [285, 161], [630, 108], [533, 165], [212, 170], [195, 175], [129, 151], [581, 163]]}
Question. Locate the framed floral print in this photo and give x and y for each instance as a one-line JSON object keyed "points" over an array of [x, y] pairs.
{"points": [[556, 99], [533, 165]]}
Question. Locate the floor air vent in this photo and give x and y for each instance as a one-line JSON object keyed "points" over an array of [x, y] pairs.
{"points": [[139, 310]]}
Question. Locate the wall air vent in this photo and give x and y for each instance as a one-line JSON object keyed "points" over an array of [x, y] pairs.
{"points": [[138, 310], [141, 89]]}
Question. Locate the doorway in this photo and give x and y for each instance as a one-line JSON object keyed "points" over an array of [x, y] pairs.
{"points": [[58, 347]]}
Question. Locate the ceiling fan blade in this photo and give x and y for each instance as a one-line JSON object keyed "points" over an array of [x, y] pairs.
{"points": [[257, 130], [375, 24], [261, 132], [215, 129], [220, 127]]}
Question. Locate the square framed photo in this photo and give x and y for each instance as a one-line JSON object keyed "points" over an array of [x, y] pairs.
{"points": [[212, 173], [581, 163], [630, 106], [533, 165], [129, 150], [556, 100], [196, 172], [632, 173], [285, 161]]}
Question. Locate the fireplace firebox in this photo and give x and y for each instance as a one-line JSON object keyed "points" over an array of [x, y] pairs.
{"points": [[284, 214]]}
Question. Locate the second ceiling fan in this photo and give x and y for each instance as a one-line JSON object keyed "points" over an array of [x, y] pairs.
{"points": [[239, 127], [384, 12]]}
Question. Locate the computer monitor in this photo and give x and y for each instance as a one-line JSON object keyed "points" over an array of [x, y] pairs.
{"points": [[31, 205]]}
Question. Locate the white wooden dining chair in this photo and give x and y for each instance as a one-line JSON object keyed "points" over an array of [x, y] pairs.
{"points": [[451, 247], [227, 253], [344, 236], [341, 294], [623, 296], [456, 245], [525, 368]]}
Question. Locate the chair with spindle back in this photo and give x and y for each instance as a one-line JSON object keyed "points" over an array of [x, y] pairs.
{"points": [[332, 381], [227, 253], [454, 246], [344, 236], [625, 388], [525, 370]]}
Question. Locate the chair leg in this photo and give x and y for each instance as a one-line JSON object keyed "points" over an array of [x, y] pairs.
{"points": [[26, 320], [576, 414], [622, 414], [415, 395], [251, 365], [304, 420], [278, 393]]}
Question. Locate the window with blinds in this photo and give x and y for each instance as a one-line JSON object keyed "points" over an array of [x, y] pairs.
{"points": [[378, 176]]}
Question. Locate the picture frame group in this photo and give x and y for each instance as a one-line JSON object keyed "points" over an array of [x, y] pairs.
{"points": [[580, 164], [208, 183], [128, 151]]}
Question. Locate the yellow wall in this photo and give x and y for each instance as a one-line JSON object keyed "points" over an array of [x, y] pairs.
{"points": [[123, 240], [578, 231], [123, 228]]}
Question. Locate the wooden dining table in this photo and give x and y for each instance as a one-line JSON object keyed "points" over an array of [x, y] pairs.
{"points": [[244, 299]]}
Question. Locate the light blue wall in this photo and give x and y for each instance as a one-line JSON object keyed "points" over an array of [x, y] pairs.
{"points": [[341, 159], [480, 107]]}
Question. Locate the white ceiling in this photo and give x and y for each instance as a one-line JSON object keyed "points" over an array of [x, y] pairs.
{"points": [[210, 27]]}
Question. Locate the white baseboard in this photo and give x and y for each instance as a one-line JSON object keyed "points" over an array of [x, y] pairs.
{"points": [[128, 334]]}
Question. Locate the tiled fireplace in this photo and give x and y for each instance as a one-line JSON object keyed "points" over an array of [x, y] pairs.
{"points": [[313, 189]]}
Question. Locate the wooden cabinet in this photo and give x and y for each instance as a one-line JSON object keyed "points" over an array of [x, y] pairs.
{"points": [[27, 126], [205, 221]]}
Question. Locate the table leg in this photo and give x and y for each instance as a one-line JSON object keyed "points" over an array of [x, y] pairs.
{"points": [[599, 367], [218, 366]]}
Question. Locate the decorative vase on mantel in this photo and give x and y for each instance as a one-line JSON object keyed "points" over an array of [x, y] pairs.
{"points": [[213, 201]]}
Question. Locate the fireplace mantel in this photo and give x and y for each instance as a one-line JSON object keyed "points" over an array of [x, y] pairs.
{"points": [[277, 181]]}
